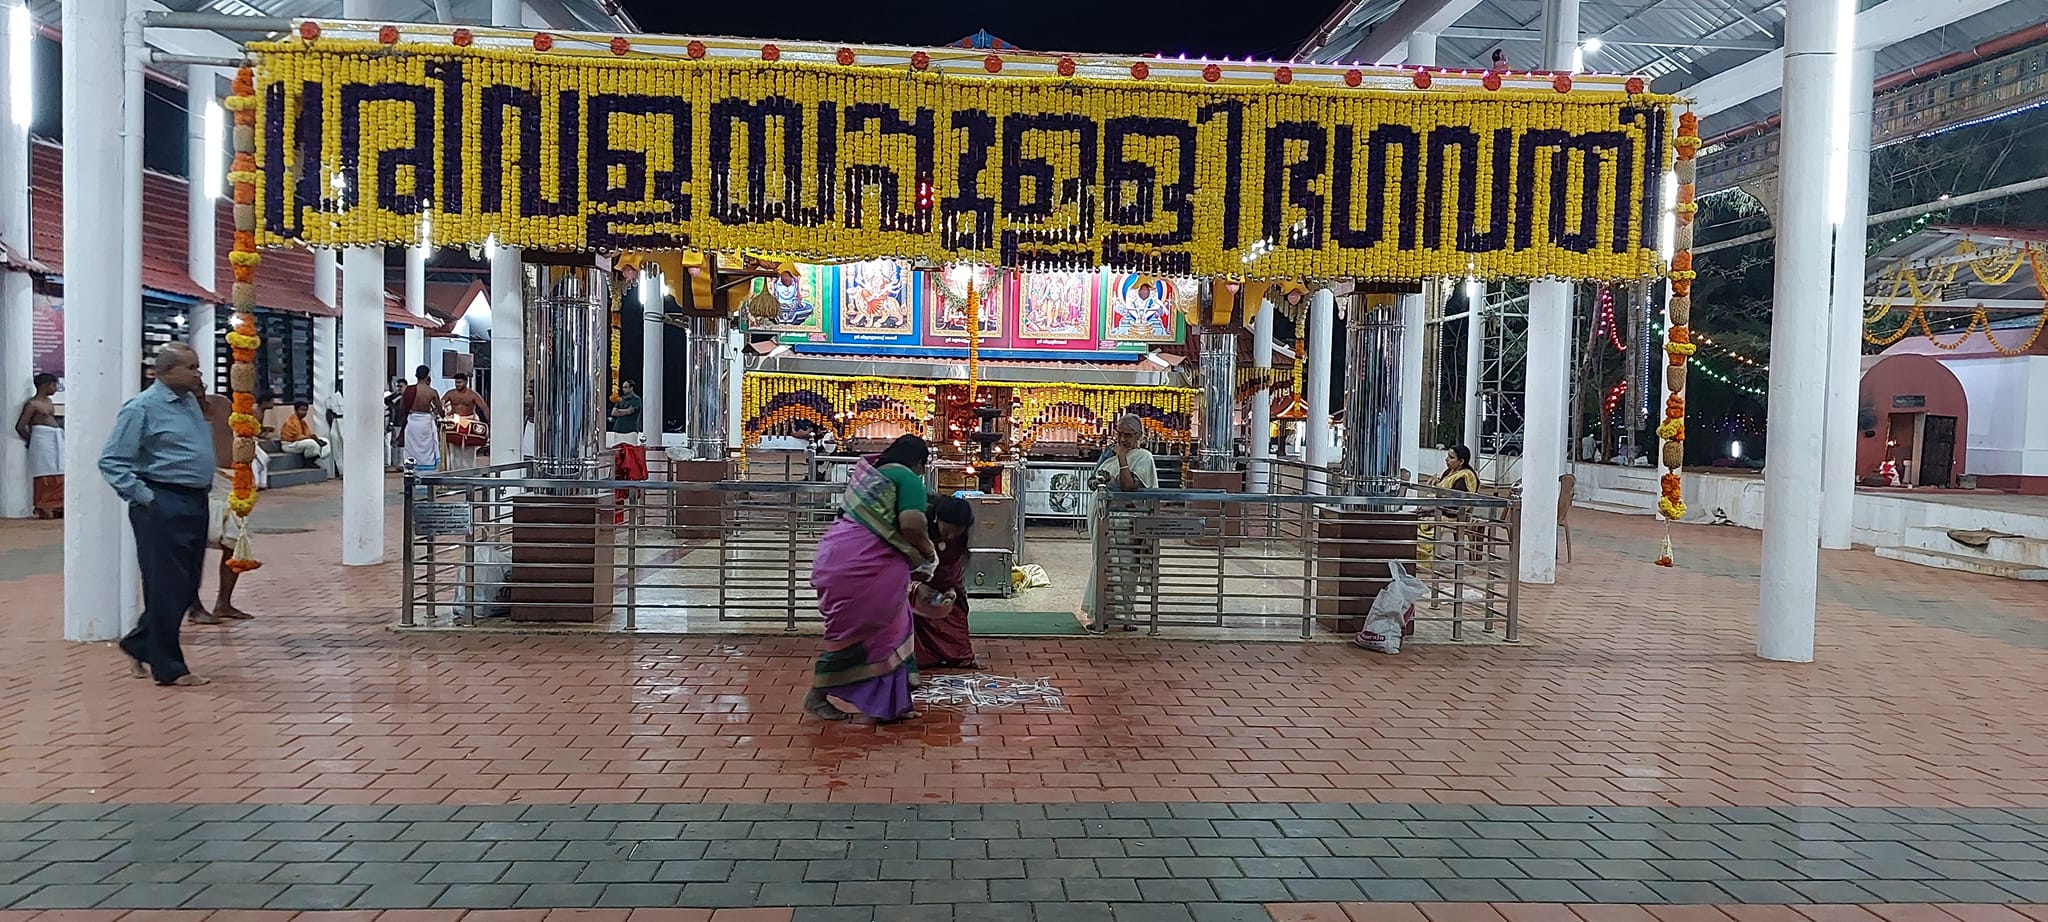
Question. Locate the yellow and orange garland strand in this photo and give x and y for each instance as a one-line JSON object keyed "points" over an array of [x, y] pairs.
{"points": [[242, 339], [973, 313], [1678, 338]]}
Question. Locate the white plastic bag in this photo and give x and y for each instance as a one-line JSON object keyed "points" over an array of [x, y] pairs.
{"points": [[481, 595], [1393, 610]]}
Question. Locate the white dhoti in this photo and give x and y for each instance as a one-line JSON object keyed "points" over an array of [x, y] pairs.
{"points": [[422, 440], [46, 469], [45, 451]]}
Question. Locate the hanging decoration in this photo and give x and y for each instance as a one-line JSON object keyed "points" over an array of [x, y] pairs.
{"points": [[772, 403], [1995, 266], [242, 339], [973, 341], [1677, 335], [1032, 171]]}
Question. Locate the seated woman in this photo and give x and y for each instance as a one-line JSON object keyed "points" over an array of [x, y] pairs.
{"points": [[941, 601], [862, 574]]}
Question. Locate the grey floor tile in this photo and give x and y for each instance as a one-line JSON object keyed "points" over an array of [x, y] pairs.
{"points": [[151, 896], [317, 896], [479, 896], [234, 896], [68, 896], [636, 895]]}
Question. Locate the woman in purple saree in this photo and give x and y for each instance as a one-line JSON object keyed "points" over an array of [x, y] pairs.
{"points": [[862, 574]]}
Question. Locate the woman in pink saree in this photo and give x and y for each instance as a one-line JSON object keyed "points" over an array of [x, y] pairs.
{"points": [[862, 573]]}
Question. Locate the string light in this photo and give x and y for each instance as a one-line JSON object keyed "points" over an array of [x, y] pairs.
{"points": [[1699, 337], [1606, 322]]}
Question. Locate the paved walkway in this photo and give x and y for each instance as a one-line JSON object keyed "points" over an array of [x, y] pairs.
{"points": [[1633, 752]]}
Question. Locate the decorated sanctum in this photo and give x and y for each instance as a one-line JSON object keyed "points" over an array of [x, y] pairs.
{"points": [[819, 248]]}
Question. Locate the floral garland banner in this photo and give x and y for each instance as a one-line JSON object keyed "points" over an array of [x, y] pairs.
{"points": [[559, 151], [242, 339], [771, 402], [1678, 335]]}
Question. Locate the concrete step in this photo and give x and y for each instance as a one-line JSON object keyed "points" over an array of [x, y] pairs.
{"points": [[1648, 506], [2028, 552], [296, 477], [1965, 563]]}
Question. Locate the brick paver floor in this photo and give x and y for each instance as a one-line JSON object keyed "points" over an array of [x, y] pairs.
{"points": [[1633, 752]]}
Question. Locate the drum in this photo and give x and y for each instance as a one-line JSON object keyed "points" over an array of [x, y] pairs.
{"points": [[463, 432]]}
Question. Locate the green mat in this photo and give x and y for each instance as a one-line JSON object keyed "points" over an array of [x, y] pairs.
{"points": [[1023, 622]]}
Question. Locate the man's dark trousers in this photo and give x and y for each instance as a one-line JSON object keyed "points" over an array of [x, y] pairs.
{"points": [[170, 548]]}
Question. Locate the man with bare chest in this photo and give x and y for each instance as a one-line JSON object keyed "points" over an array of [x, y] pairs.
{"points": [[467, 424], [422, 422], [223, 528], [38, 426]]}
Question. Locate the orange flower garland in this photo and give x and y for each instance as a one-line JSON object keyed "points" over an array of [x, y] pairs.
{"points": [[1678, 345], [242, 339]]}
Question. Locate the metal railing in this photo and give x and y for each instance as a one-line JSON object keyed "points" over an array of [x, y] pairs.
{"points": [[683, 556], [1192, 558]]}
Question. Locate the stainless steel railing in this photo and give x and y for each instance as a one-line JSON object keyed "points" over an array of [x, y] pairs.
{"points": [[737, 553], [1191, 558]]}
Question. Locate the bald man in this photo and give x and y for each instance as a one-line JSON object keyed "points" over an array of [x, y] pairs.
{"points": [[1128, 467], [160, 459]]}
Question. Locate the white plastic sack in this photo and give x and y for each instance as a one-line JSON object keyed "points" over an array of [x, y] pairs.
{"points": [[484, 588], [1393, 610]]}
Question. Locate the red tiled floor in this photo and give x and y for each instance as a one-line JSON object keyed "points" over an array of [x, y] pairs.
{"points": [[1638, 686]]}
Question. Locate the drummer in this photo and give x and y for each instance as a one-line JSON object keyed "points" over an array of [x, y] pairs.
{"points": [[467, 423]]}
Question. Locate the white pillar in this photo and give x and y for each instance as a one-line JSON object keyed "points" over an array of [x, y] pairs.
{"points": [[415, 304], [1560, 34], [507, 13], [326, 280], [362, 418], [1845, 317], [1261, 425], [17, 289], [1475, 355], [1322, 320], [508, 356], [1412, 330], [736, 358], [130, 381], [325, 370], [653, 373], [93, 375], [1544, 420], [1421, 50], [202, 327], [203, 151], [1547, 371], [1788, 586]]}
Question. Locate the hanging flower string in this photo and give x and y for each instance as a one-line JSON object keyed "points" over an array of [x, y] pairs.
{"points": [[242, 339], [973, 341], [1678, 336]]}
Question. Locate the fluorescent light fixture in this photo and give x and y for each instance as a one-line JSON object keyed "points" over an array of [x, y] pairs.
{"points": [[213, 171], [649, 291], [1591, 45], [1579, 59], [1735, 449], [1667, 217], [20, 73]]}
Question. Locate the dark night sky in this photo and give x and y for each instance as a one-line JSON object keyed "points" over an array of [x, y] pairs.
{"points": [[1170, 27]]}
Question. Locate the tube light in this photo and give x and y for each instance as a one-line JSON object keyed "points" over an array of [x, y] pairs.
{"points": [[213, 171]]}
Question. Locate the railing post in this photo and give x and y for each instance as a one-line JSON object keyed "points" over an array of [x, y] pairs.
{"points": [[405, 593], [631, 519], [1514, 572]]}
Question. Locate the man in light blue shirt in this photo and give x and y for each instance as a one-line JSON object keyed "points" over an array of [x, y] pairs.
{"points": [[160, 459]]}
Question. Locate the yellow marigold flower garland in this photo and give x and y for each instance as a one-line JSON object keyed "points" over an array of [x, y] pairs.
{"points": [[1678, 336], [242, 339]]}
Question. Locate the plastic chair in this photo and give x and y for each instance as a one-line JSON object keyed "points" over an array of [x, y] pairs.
{"points": [[1566, 483]]}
